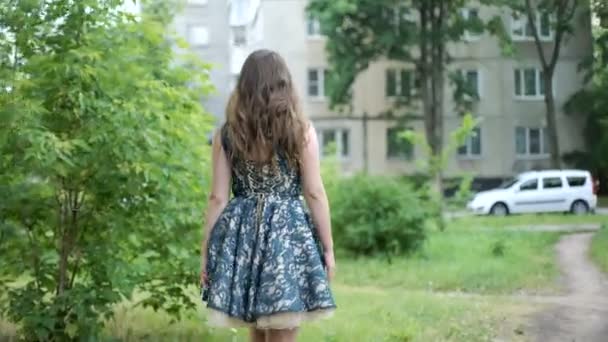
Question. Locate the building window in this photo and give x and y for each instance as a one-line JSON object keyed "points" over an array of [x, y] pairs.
{"points": [[471, 16], [472, 82], [239, 35], [198, 35], [313, 27], [399, 82], [334, 141], [398, 16], [472, 146], [317, 78], [529, 83], [397, 147], [345, 143], [531, 141], [521, 29]]}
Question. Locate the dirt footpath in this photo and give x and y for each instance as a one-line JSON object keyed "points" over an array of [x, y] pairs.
{"points": [[582, 314]]}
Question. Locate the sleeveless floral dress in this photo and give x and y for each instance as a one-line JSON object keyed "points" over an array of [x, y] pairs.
{"points": [[264, 261]]}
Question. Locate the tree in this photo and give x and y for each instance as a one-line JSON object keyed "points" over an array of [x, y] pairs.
{"points": [[561, 14], [437, 163], [592, 101], [600, 8], [103, 143], [417, 32]]}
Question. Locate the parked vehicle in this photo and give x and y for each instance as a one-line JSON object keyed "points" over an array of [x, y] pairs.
{"points": [[572, 191]]}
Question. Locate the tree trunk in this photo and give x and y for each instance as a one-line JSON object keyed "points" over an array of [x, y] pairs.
{"points": [[424, 75], [554, 150], [62, 267], [431, 67], [438, 75], [365, 152], [62, 243], [564, 12]]}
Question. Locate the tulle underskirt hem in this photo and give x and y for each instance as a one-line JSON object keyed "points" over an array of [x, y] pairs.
{"points": [[283, 320]]}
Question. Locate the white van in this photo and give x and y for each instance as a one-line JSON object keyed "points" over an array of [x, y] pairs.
{"points": [[539, 192]]}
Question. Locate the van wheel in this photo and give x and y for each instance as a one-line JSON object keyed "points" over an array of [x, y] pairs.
{"points": [[499, 209], [579, 207]]}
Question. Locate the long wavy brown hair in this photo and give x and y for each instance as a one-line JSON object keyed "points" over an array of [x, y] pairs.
{"points": [[264, 114]]}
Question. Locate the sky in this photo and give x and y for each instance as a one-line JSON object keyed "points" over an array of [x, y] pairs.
{"points": [[131, 6]]}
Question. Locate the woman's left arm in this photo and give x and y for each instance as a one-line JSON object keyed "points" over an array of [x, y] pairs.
{"points": [[218, 197]]}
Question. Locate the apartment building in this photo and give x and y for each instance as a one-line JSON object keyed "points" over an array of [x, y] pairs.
{"points": [[511, 136], [205, 24]]}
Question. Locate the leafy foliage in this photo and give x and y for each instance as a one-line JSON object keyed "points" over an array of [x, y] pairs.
{"points": [[103, 144], [378, 215], [361, 32], [600, 8], [416, 32], [435, 163], [593, 104], [563, 26]]}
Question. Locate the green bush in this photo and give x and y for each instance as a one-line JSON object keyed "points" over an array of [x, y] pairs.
{"points": [[377, 215], [101, 169]]}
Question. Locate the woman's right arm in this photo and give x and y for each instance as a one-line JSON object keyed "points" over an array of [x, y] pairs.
{"points": [[316, 198], [218, 198]]}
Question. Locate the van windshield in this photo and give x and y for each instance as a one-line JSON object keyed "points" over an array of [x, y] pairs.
{"points": [[509, 183]]}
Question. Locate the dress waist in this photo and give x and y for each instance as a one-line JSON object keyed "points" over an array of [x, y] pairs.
{"points": [[264, 195], [261, 198]]}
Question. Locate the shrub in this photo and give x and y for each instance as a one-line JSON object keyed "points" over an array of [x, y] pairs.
{"points": [[102, 144], [377, 215]]}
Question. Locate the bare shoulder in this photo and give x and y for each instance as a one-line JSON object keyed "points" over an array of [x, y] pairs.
{"points": [[219, 137]]}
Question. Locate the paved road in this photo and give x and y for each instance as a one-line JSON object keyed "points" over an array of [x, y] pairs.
{"points": [[601, 211]]}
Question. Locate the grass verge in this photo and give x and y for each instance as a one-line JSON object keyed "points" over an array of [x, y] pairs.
{"points": [[599, 249], [490, 262], [364, 314], [602, 201], [391, 302], [481, 222]]}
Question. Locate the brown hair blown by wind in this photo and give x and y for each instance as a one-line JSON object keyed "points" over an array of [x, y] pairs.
{"points": [[263, 114]]}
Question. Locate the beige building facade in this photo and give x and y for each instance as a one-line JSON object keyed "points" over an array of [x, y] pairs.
{"points": [[511, 135]]}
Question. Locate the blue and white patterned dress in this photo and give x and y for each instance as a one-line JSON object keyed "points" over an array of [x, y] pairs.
{"points": [[264, 260]]}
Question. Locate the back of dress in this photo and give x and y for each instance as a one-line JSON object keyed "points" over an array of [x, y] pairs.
{"points": [[264, 259], [274, 178]]}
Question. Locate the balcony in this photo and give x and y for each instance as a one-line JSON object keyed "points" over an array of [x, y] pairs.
{"points": [[246, 31]]}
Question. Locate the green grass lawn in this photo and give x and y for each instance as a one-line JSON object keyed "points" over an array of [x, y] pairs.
{"points": [[407, 300], [479, 261], [602, 201], [481, 222], [599, 249], [414, 298], [364, 314]]}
